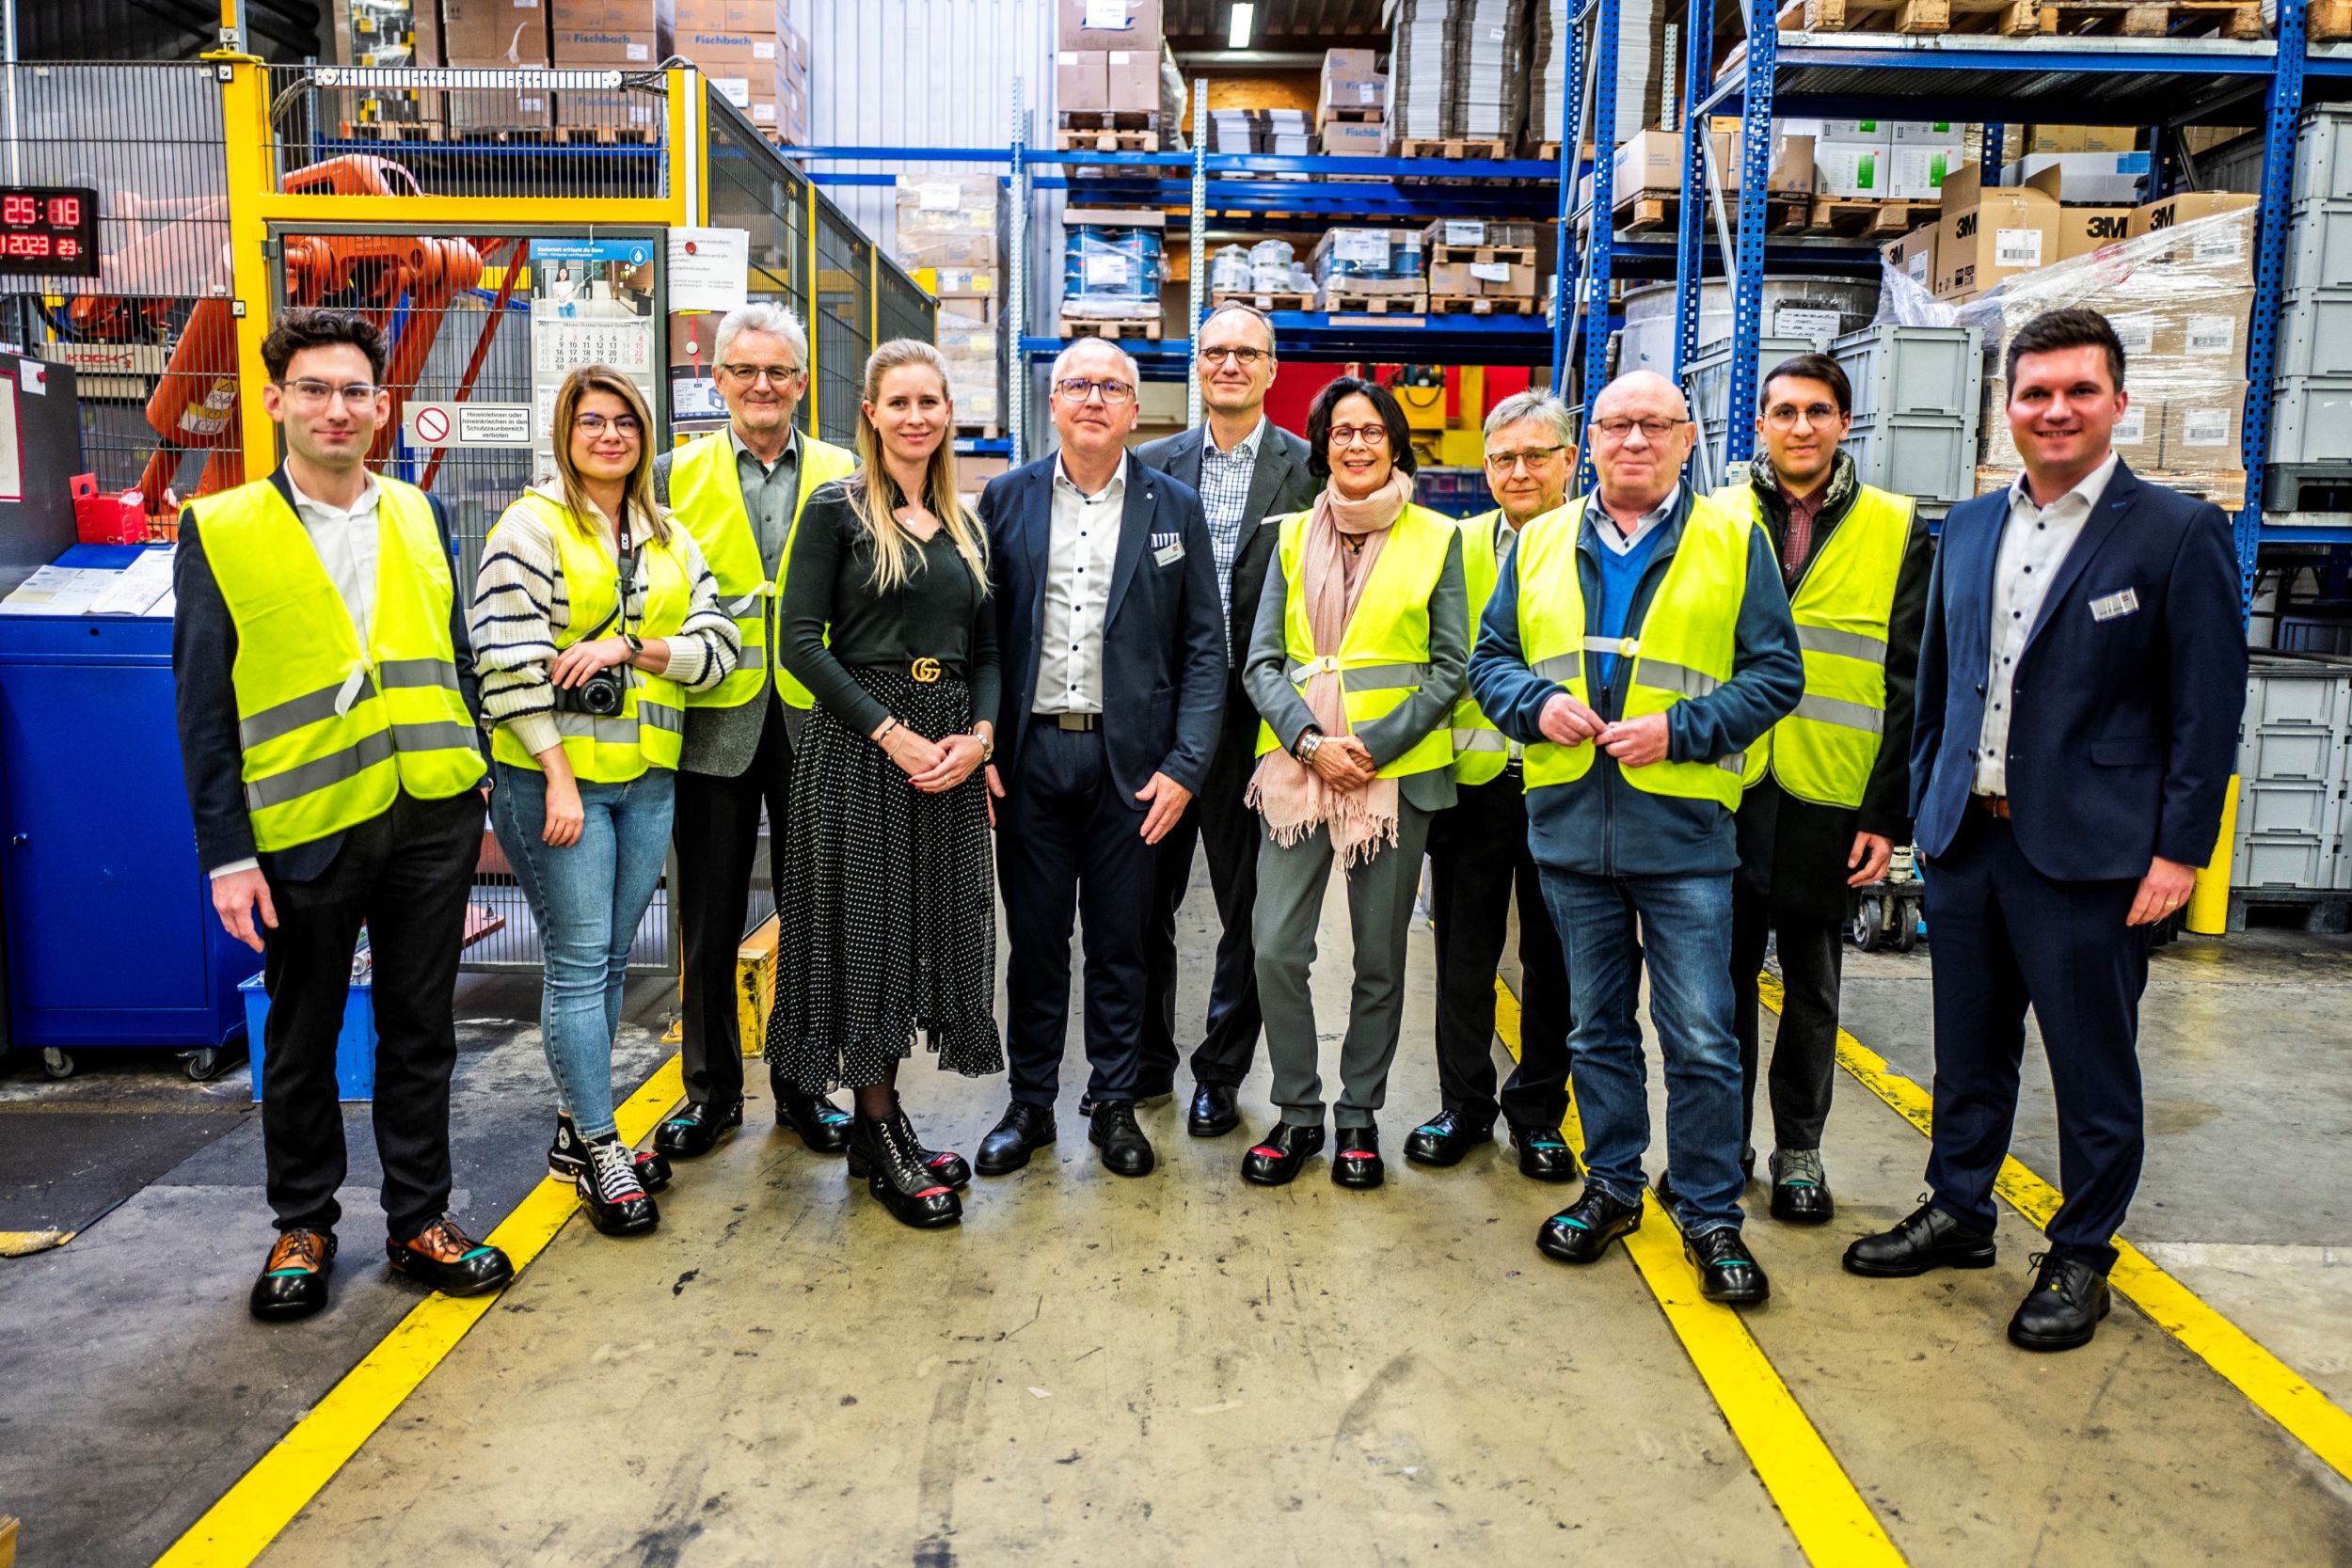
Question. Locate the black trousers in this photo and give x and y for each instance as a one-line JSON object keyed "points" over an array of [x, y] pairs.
{"points": [[1478, 855], [1804, 1053], [1069, 843], [403, 875], [2008, 938], [716, 833], [1220, 819]]}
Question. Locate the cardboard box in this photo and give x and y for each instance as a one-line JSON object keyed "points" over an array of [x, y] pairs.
{"points": [[718, 46], [2078, 138], [1108, 24], [2084, 230], [520, 100], [2187, 206], [2205, 430], [755, 91], [595, 45], [1849, 133], [1914, 256], [1793, 166], [1922, 133], [1356, 140], [1652, 160], [610, 111], [1349, 82], [1132, 81], [1850, 169], [728, 16], [2140, 434], [1483, 279], [1079, 80], [1985, 237], [2206, 337], [494, 33], [2105, 178], [792, 45], [1916, 173]]}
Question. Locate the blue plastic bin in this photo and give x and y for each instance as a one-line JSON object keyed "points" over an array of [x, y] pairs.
{"points": [[354, 1047]]}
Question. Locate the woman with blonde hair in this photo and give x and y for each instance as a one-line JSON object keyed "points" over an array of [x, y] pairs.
{"points": [[889, 921], [583, 683]]}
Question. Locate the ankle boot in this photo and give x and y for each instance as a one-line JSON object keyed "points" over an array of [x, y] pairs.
{"points": [[945, 1164], [897, 1177]]}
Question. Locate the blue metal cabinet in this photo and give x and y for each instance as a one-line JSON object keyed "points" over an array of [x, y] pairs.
{"points": [[111, 940]]}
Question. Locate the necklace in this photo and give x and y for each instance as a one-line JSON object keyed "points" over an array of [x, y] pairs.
{"points": [[1354, 543]]}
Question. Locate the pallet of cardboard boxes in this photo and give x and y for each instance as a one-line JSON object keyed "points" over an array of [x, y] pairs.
{"points": [[947, 239], [1108, 88]]}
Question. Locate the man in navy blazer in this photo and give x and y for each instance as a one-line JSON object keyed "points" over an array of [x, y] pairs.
{"points": [[2081, 677], [1113, 646]]}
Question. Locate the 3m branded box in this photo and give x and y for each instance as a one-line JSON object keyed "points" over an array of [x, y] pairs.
{"points": [[1914, 256], [1985, 237]]}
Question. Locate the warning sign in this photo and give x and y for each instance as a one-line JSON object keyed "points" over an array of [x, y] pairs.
{"points": [[469, 424]]}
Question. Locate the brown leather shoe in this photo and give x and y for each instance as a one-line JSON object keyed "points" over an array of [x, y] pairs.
{"points": [[448, 1260], [294, 1282]]}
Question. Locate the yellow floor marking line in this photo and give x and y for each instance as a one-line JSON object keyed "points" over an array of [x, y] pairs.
{"points": [[1834, 1525], [23, 1244], [2274, 1387], [248, 1517]]}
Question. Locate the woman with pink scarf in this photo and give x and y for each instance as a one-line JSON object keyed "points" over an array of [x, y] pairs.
{"points": [[1360, 650]]}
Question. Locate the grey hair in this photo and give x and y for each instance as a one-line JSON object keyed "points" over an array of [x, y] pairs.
{"points": [[1538, 405], [1061, 360], [761, 316]]}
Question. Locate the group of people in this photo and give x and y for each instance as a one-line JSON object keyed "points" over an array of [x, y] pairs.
{"points": [[1672, 726]]}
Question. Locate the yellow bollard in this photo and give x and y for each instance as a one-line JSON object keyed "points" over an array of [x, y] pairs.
{"points": [[2208, 911]]}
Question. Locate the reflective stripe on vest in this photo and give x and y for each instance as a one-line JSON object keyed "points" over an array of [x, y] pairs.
{"points": [[1684, 649], [330, 733], [1481, 752], [649, 731], [1384, 656], [706, 496], [1825, 751]]}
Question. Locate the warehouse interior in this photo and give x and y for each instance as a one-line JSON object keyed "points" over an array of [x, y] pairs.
{"points": [[1461, 201]]}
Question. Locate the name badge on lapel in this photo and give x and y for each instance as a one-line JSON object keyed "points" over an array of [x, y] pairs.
{"points": [[2115, 604], [1167, 548]]}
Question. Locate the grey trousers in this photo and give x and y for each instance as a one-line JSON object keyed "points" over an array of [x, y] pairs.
{"points": [[1290, 885]]}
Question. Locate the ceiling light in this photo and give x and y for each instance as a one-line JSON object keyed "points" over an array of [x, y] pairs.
{"points": [[1237, 35]]}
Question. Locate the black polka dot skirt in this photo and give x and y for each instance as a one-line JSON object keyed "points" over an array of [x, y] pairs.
{"points": [[888, 925]]}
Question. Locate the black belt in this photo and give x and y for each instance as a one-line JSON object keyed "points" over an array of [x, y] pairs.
{"points": [[1070, 720]]}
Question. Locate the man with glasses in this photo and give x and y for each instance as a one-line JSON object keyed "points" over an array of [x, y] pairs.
{"points": [[1112, 643], [1246, 471], [1637, 644], [739, 493], [327, 727], [1829, 796], [1478, 853]]}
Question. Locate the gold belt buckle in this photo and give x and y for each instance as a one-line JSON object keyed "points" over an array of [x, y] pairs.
{"points": [[925, 671]]}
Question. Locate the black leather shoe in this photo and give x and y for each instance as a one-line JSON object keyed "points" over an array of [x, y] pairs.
{"points": [[2063, 1308], [945, 1164], [1800, 1189], [1544, 1154], [1667, 1198], [900, 1182], [1274, 1160], [1582, 1232], [1930, 1239], [1024, 1130], [1355, 1158], [293, 1284], [1213, 1112], [696, 1129], [823, 1126], [449, 1261], [1444, 1138], [1727, 1273], [1125, 1150], [568, 1156], [1156, 1093]]}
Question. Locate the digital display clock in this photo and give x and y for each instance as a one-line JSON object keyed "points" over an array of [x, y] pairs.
{"points": [[48, 231]]}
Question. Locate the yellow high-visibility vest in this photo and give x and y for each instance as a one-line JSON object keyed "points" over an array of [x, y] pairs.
{"points": [[330, 731], [1481, 752], [706, 496], [1384, 657], [1686, 646], [1825, 750], [650, 729]]}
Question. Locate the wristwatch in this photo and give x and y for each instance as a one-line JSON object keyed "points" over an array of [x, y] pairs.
{"points": [[1304, 749]]}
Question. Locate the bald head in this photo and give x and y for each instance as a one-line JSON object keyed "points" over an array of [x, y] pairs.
{"points": [[1641, 437]]}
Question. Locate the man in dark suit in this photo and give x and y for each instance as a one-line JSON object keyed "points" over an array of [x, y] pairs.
{"points": [[1113, 650], [1248, 472], [2081, 676], [326, 712]]}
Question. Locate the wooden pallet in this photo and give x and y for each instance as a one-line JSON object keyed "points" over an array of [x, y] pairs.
{"points": [[1377, 305], [607, 135], [393, 131], [1646, 211], [1518, 255], [1109, 119], [1107, 141], [2152, 18], [971, 431], [510, 135], [2329, 19], [1147, 328], [1867, 217], [1454, 148], [1484, 305], [1548, 151], [1265, 299], [1351, 114], [2008, 17]]}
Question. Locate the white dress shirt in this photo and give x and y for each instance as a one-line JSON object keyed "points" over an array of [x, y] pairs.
{"points": [[2032, 546], [1078, 593]]}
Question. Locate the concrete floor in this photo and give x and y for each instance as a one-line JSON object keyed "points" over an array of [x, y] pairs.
{"points": [[1187, 1370]]}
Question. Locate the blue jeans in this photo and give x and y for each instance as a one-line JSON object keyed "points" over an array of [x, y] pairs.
{"points": [[587, 898], [1685, 934]]}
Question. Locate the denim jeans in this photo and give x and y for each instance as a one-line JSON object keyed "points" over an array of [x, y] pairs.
{"points": [[587, 898], [1685, 934]]}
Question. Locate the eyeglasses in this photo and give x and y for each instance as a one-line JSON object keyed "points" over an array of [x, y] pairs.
{"points": [[1370, 434], [1783, 416], [593, 425], [1247, 359], [1534, 458], [309, 395], [1077, 389], [1617, 430], [780, 375]]}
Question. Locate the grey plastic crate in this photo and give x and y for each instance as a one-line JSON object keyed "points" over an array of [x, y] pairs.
{"points": [[2306, 861], [2315, 332], [1930, 456], [1707, 382], [2323, 155], [2291, 806], [2310, 418], [2292, 753], [2313, 690], [2319, 246], [1913, 369]]}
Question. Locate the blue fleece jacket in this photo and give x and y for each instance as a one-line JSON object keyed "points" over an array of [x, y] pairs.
{"points": [[1601, 824]]}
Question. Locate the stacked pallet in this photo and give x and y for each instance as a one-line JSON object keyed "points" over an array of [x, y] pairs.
{"points": [[1375, 271], [756, 58], [1106, 77], [1352, 106], [1482, 268], [1113, 266], [1458, 77], [2311, 459], [947, 239]]}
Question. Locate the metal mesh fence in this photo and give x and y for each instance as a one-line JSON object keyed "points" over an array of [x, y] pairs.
{"points": [[843, 324], [901, 309], [753, 189]]}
